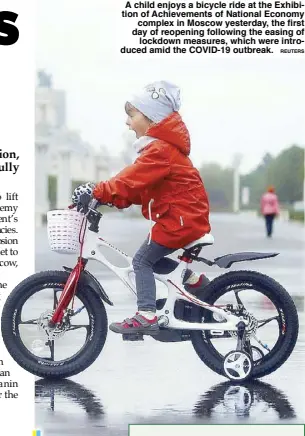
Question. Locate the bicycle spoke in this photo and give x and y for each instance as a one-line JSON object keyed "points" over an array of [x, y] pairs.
{"points": [[51, 346], [78, 326], [266, 321], [30, 321], [238, 298], [265, 346], [55, 300]]}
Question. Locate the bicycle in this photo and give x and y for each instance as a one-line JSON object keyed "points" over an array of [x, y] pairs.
{"points": [[211, 320]]}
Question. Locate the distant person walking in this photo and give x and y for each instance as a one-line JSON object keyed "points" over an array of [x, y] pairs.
{"points": [[269, 208]]}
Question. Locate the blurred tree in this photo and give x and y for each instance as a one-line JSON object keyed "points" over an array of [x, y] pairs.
{"points": [[285, 172], [256, 180], [52, 191], [218, 182]]}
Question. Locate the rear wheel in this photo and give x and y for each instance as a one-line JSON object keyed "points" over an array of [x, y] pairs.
{"points": [[53, 353], [275, 321]]}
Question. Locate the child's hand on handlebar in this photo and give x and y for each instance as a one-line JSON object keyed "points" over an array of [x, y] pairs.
{"points": [[83, 199], [82, 196], [83, 203]]}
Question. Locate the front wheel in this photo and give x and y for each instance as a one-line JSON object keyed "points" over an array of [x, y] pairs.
{"points": [[274, 321], [64, 351]]}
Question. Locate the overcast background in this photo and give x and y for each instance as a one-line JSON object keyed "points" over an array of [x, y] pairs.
{"points": [[229, 105]]}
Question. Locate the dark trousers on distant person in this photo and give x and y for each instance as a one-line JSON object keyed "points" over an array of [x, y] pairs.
{"points": [[269, 223]]}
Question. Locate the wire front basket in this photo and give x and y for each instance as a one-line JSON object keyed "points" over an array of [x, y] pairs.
{"points": [[64, 229]]}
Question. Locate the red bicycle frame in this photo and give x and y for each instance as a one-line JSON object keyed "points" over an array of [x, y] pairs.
{"points": [[71, 284], [68, 292]]}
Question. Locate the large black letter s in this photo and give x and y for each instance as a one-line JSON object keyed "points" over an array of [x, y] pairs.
{"points": [[9, 29]]}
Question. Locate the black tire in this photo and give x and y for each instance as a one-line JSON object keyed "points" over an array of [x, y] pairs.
{"points": [[37, 365], [280, 298]]}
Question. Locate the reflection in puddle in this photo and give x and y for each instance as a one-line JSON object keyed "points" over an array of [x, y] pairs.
{"points": [[225, 400], [244, 399], [57, 391]]}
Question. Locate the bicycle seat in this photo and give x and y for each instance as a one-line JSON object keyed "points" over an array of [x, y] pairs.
{"points": [[207, 239]]}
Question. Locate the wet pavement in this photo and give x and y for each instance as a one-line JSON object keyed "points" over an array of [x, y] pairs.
{"points": [[153, 382]]}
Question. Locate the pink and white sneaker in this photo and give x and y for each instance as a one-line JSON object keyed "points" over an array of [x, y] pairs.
{"points": [[137, 324]]}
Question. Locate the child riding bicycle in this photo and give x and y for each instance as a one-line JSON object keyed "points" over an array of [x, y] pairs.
{"points": [[170, 190]]}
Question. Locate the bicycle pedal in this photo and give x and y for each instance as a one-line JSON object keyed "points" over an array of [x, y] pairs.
{"points": [[134, 337]]}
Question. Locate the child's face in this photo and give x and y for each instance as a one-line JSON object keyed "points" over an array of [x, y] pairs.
{"points": [[137, 122]]}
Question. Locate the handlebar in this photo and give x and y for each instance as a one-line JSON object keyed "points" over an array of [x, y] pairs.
{"points": [[93, 205], [93, 216]]}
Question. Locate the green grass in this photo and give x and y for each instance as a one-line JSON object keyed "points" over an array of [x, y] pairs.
{"points": [[296, 215]]}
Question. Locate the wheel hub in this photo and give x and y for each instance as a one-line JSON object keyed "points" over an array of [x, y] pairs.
{"points": [[252, 326], [252, 323], [52, 332]]}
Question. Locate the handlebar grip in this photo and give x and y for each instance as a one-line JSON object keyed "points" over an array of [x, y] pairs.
{"points": [[94, 204]]}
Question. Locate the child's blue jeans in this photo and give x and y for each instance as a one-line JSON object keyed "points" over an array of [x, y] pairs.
{"points": [[150, 258]]}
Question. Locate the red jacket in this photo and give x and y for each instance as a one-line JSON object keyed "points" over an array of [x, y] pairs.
{"points": [[164, 181]]}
